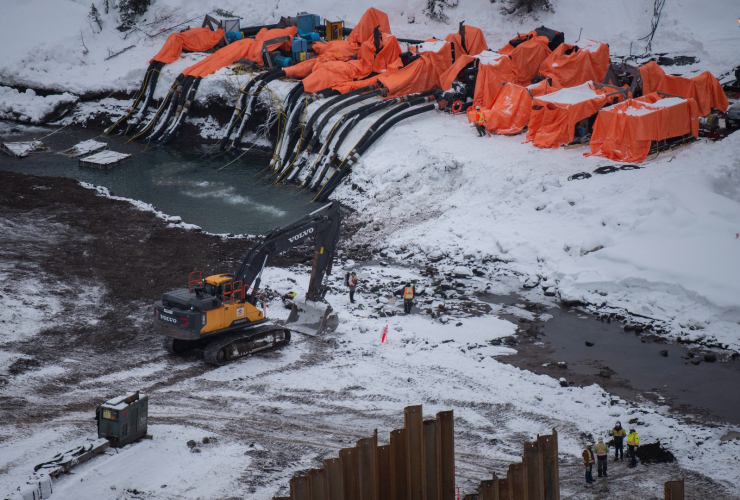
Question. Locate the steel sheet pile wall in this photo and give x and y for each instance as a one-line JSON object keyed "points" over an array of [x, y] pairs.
{"points": [[536, 477], [418, 464]]}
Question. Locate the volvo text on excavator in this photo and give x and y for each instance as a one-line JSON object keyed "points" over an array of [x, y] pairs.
{"points": [[221, 314]]}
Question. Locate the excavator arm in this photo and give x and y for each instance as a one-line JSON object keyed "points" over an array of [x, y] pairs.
{"points": [[322, 225]]}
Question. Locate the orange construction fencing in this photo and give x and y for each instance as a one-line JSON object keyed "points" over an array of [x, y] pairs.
{"points": [[625, 131], [704, 88]]}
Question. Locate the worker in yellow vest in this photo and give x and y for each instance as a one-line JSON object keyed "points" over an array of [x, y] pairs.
{"points": [[480, 122], [619, 433], [602, 457], [588, 461], [352, 284], [633, 441], [408, 293]]}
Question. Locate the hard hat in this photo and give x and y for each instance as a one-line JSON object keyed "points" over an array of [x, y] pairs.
{"points": [[619, 423], [477, 107]]}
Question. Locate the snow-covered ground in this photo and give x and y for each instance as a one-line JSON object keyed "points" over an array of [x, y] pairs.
{"points": [[660, 242]]}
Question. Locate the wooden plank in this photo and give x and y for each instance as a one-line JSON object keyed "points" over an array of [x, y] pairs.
{"points": [[550, 471], [316, 484], [366, 468], [488, 490], [533, 465], [399, 479], [446, 455], [412, 419], [429, 472], [334, 479], [349, 473], [299, 488], [504, 490], [518, 481], [383, 471]]}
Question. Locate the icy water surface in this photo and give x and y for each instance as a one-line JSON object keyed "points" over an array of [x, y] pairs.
{"points": [[176, 179]]}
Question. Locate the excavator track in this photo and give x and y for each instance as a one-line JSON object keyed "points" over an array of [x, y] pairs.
{"points": [[237, 345]]}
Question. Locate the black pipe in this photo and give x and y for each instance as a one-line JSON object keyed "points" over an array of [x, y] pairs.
{"points": [[138, 95], [253, 30], [172, 132], [241, 102], [262, 84], [361, 116], [178, 99], [165, 103], [361, 146], [348, 118]]}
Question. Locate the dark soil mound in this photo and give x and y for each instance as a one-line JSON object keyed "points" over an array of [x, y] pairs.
{"points": [[654, 453]]}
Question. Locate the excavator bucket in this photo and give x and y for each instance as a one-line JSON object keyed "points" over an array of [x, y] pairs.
{"points": [[311, 318]]}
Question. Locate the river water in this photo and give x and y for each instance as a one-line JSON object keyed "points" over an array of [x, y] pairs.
{"points": [[177, 179]]}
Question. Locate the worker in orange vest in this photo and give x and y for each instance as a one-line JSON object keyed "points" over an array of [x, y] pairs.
{"points": [[602, 451], [352, 284], [588, 461], [480, 122], [633, 441], [408, 293]]}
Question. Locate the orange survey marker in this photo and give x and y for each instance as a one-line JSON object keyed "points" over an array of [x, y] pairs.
{"points": [[384, 337]]}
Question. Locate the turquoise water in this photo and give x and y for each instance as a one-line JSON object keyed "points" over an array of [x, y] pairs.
{"points": [[177, 179]]}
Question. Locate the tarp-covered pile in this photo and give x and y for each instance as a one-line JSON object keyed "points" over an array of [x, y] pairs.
{"points": [[512, 108], [248, 48], [625, 131], [704, 88], [554, 116], [571, 65], [194, 40], [473, 43], [528, 51]]}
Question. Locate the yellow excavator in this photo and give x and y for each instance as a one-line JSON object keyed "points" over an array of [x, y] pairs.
{"points": [[225, 314]]}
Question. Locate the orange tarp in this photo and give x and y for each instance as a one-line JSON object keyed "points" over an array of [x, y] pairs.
{"points": [[704, 88], [371, 19], [334, 73], [527, 56], [493, 71], [475, 42], [512, 108], [195, 40], [249, 48], [304, 68], [363, 32], [554, 116], [623, 132], [421, 75], [569, 66]]}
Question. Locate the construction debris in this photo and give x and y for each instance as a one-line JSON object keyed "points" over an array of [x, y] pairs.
{"points": [[22, 149], [104, 160]]}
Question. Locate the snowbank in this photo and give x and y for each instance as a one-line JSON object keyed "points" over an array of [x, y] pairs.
{"points": [[27, 107]]}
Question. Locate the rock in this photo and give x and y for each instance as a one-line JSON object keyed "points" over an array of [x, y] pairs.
{"points": [[363, 329], [664, 353], [461, 272], [605, 373], [710, 357], [383, 300], [735, 355], [563, 382], [191, 444], [436, 256], [589, 344], [195, 450], [459, 323], [562, 364], [695, 362], [549, 292]]}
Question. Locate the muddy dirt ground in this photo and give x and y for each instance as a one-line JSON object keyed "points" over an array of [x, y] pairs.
{"points": [[105, 262]]}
